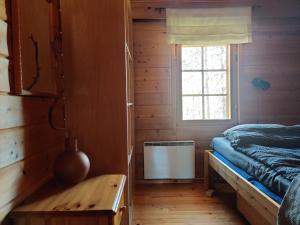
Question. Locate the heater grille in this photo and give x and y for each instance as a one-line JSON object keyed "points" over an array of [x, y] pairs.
{"points": [[169, 160]]}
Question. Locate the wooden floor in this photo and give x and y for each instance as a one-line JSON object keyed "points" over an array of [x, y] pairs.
{"points": [[183, 204]]}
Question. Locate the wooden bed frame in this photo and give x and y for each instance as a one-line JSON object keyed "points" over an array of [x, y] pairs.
{"points": [[256, 206]]}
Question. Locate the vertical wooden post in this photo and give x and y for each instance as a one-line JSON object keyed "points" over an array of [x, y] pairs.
{"points": [[208, 179]]}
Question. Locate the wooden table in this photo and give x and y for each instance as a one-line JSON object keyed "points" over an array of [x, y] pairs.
{"points": [[99, 200]]}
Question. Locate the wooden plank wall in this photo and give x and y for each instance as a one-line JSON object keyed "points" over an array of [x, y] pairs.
{"points": [[27, 144], [272, 56]]}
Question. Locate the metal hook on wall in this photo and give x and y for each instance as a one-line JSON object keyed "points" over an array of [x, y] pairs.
{"points": [[37, 63]]}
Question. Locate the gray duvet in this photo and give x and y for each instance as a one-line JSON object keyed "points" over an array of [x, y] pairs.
{"points": [[289, 212], [277, 149], [275, 146], [270, 135], [278, 163]]}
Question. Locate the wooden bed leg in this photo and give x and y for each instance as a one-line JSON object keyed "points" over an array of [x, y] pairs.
{"points": [[210, 193], [208, 178]]}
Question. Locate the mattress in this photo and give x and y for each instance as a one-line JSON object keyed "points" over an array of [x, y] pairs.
{"points": [[249, 178], [243, 164], [223, 146]]}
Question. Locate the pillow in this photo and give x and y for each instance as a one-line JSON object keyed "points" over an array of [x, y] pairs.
{"points": [[253, 127], [271, 135]]}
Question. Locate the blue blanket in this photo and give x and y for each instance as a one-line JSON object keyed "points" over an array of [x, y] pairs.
{"points": [[289, 212]]}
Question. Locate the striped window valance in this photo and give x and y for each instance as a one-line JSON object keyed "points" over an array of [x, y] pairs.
{"points": [[209, 26]]}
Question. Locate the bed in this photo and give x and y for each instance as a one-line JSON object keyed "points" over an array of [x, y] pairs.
{"points": [[259, 177]]}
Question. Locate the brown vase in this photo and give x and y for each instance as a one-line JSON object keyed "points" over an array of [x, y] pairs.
{"points": [[72, 166]]}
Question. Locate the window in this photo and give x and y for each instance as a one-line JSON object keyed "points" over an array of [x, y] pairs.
{"points": [[205, 83]]}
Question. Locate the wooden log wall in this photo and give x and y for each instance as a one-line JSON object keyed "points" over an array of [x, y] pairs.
{"points": [[27, 144], [273, 56]]}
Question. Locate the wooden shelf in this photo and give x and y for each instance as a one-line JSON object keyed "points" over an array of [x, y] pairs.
{"points": [[96, 196]]}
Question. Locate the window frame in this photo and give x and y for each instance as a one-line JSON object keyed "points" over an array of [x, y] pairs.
{"points": [[232, 90]]}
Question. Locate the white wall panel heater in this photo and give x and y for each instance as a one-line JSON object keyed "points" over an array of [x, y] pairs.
{"points": [[169, 160]]}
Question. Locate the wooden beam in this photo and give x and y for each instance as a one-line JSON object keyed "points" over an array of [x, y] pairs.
{"points": [[141, 12], [3, 39], [17, 111], [156, 9], [188, 3], [252, 215], [23, 178], [208, 179], [3, 15], [4, 75], [22, 142]]}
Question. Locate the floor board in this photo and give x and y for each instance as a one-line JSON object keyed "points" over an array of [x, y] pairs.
{"points": [[183, 204]]}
